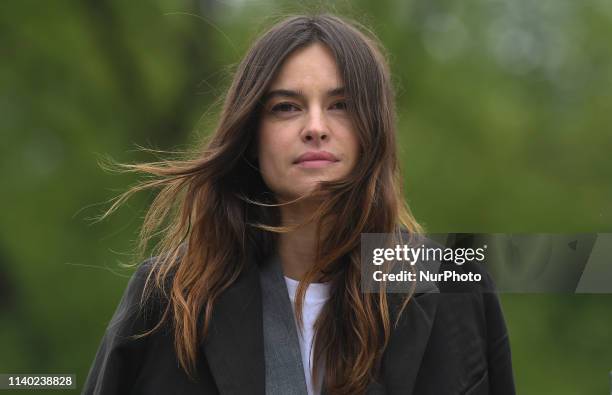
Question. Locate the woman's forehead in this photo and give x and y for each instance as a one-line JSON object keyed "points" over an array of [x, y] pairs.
{"points": [[311, 67]]}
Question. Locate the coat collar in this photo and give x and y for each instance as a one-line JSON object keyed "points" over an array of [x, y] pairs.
{"points": [[235, 352], [234, 345]]}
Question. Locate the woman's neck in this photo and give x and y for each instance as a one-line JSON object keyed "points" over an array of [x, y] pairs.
{"points": [[297, 248]]}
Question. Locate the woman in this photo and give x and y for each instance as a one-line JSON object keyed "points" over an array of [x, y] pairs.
{"points": [[270, 212]]}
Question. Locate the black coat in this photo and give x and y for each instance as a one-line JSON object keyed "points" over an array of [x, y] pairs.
{"points": [[446, 343]]}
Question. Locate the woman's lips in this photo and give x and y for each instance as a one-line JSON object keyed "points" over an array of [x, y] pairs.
{"points": [[315, 159], [316, 163]]}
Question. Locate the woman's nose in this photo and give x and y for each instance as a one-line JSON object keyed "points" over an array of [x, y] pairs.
{"points": [[316, 129]]}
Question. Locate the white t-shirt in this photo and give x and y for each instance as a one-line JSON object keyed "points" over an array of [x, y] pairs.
{"points": [[316, 296]]}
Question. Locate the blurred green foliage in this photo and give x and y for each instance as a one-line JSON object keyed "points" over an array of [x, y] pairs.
{"points": [[504, 118]]}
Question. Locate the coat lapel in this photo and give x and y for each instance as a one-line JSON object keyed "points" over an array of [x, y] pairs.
{"points": [[283, 358], [407, 344], [234, 345]]}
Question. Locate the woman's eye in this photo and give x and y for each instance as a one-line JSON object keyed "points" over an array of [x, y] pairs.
{"points": [[341, 105], [284, 107]]}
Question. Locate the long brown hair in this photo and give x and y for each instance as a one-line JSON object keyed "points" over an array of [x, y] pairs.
{"points": [[213, 208]]}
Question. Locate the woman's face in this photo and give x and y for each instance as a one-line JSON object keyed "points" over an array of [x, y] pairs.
{"points": [[305, 134]]}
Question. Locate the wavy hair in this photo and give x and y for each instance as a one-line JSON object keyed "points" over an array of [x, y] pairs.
{"points": [[213, 210]]}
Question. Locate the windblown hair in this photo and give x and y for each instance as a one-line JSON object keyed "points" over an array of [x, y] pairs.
{"points": [[214, 211]]}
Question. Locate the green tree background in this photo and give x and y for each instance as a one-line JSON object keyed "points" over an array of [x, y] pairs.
{"points": [[505, 117]]}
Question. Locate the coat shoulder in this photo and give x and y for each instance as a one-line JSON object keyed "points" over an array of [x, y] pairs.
{"points": [[123, 350], [468, 337]]}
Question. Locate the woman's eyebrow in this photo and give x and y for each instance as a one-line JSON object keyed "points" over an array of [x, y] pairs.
{"points": [[298, 93], [336, 91]]}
